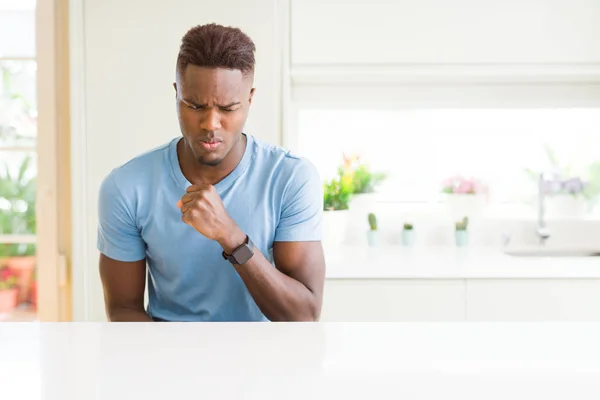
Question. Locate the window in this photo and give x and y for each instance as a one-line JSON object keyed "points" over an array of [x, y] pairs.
{"points": [[419, 148], [18, 152]]}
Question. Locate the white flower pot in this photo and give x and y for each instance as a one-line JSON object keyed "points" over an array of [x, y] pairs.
{"points": [[462, 238], [465, 205], [408, 237], [335, 225], [565, 206], [373, 238]]}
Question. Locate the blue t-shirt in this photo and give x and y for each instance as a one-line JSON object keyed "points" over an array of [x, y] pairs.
{"points": [[272, 195]]}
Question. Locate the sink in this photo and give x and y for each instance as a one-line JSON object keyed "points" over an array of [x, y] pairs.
{"points": [[539, 251]]}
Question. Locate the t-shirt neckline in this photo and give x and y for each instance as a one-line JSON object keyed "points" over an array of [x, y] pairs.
{"points": [[223, 183]]}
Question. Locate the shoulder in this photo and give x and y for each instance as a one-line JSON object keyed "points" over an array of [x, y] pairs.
{"points": [[136, 173], [288, 167], [139, 168], [294, 179]]}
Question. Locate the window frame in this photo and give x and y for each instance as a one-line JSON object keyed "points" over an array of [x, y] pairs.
{"points": [[19, 238], [349, 87]]}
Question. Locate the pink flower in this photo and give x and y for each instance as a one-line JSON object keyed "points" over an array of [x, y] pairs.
{"points": [[459, 184], [465, 186], [449, 182], [5, 273], [452, 182]]}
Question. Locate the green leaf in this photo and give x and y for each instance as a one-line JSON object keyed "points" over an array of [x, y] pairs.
{"points": [[23, 168]]}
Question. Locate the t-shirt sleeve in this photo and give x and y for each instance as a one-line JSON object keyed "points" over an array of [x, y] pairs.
{"points": [[118, 235], [302, 206]]}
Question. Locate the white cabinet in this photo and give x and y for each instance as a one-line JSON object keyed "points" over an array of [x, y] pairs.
{"points": [[458, 32], [461, 299], [393, 300], [533, 299]]}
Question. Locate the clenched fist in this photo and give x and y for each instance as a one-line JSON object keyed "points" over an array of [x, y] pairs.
{"points": [[202, 208]]}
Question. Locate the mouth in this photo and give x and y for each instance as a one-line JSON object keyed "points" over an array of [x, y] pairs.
{"points": [[210, 145]]}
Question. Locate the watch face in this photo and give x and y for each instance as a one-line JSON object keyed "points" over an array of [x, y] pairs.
{"points": [[243, 254]]}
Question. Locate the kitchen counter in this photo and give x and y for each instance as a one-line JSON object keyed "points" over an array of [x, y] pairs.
{"points": [[397, 262], [300, 361]]}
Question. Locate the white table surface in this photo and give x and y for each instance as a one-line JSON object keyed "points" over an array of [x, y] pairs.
{"points": [[397, 262], [300, 361]]}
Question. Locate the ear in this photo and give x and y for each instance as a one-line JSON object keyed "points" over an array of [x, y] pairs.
{"points": [[251, 95], [175, 86]]}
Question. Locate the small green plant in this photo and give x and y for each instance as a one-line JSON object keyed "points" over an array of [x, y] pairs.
{"points": [[17, 208], [336, 194], [365, 181], [372, 221], [462, 225], [408, 226]]}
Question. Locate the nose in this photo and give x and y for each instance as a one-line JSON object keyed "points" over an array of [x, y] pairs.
{"points": [[211, 120]]}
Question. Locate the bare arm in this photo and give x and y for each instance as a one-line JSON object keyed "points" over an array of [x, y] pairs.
{"points": [[124, 284], [291, 291]]}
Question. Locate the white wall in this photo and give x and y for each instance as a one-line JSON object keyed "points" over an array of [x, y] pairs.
{"points": [[124, 55], [361, 51]]}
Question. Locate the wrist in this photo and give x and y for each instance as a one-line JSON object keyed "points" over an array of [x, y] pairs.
{"points": [[232, 238]]}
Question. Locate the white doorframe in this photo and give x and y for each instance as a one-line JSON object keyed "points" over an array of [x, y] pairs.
{"points": [[79, 212]]}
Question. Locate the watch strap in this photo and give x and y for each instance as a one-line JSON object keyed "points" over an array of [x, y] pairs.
{"points": [[241, 254]]}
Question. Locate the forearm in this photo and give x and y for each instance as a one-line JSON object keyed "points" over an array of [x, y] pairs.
{"points": [[126, 314], [279, 297]]}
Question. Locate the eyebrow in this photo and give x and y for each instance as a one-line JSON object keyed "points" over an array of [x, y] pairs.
{"points": [[190, 102]]}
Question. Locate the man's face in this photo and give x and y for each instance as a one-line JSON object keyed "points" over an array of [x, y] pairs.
{"points": [[212, 106]]}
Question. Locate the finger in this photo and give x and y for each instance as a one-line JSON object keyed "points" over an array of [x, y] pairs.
{"points": [[184, 208], [179, 204], [188, 197], [191, 188], [197, 188], [188, 217], [185, 217]]}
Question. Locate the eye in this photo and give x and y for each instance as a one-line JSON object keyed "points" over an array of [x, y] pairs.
{"points": [[228, 110], [194, 107]]}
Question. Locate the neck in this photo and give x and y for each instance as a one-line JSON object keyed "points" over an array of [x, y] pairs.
{"points": [[198, 173]]}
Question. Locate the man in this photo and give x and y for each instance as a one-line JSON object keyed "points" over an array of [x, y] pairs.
{"points": [[210, 212]]}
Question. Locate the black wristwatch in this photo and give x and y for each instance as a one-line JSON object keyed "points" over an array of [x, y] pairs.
{"points": [[242, 254]]}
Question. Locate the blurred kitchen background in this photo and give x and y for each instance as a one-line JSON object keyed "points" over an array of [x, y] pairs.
{"points": [[458, 143]]}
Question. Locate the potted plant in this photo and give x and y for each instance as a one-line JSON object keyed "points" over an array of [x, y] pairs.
{"points": [[364, 181], [464, 196], [461, 233], [8, 290], [17, 195], [569, 192], [372, 233], [364, 184], [408, 234], [566, 197], [336, 194]]}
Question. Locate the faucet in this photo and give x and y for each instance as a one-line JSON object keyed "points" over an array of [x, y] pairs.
{"points": [[542, 230]]}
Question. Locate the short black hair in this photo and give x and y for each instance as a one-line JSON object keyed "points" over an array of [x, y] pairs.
{"points": [[216, 46]]}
